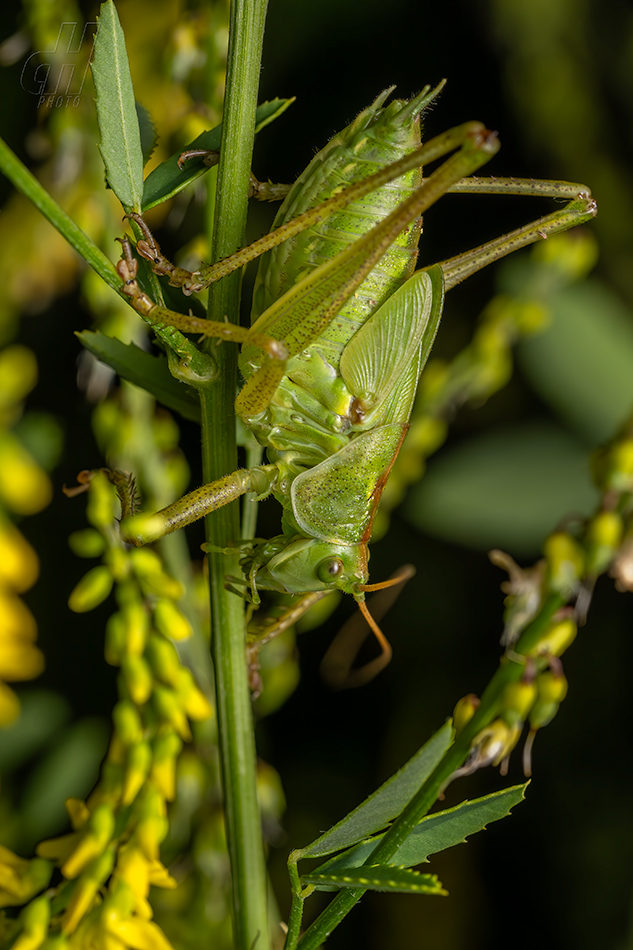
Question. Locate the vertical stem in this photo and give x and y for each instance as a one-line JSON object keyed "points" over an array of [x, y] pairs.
{"points": [[237, 743]]}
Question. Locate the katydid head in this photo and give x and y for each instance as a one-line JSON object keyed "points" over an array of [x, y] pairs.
{"points": [[308, 564]]}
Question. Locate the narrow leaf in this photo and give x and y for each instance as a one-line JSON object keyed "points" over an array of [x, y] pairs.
{"points": [[436, 832], [386, 802], [149, 372], [380, 877], [116, 113], [167, 179]]}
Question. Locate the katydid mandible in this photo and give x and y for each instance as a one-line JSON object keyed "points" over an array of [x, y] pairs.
{"points": [[342, 325]]}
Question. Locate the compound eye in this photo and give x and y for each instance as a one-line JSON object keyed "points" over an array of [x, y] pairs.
{"points": [[330, 569]]}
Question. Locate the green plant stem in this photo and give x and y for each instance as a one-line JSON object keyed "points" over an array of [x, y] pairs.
{"points": [[219, 456], [509, 671]]}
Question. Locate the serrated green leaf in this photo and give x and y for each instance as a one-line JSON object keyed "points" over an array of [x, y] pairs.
{"points": [[435, 832], [379, 877], [167, 179], [116, 112], [149, 372], [149, 138], [504, 488], [583, 363], [386, 802]]}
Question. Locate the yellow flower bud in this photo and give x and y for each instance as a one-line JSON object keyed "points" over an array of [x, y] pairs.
{"points": [[465, 710], [602, 540], [127, 723], [620, 466], [118, 561], [57, 849], [77, 811], [16, 620], [517, 699], [139, 760], [19, 565], [138, 678], [136, 619], [565, 562], [87, 543], [149, 833], [92, 589], [132, 866], [557, 638], [164, 659], [169, 708], [542, 714], [93, 841], [100, 511], [85, 890], [159, 876], [18, 374], [34, 919], [495, 742], [24, 487], [115, 641], [141, 934], [552, 687], [196, 704], [19, 659], [20, 879], [166, 749], [149, 570], [170, 621], [108, 791]]}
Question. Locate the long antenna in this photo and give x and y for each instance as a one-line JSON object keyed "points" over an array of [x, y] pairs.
{"points": [[336, 666], [403, 574]]}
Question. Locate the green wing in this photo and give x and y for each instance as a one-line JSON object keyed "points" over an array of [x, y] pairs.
{"points": [[337, 499], [382, 363]]}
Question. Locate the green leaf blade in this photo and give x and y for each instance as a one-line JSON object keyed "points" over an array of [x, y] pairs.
{"points": [[167, 179], [116, 111], [436, 832], [149, 372], [386, 802], [379, 877]]}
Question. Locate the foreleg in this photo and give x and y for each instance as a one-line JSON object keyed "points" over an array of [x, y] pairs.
{"points": [[142, 528]]}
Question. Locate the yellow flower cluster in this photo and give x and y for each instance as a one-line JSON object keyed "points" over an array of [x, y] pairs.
{"points": [[564, 579], [111, 857], [24, 489]]}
